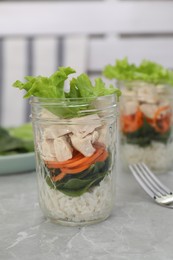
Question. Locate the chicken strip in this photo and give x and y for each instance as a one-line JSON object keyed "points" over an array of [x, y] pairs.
{"points": [[84, 145], [63, 149], [82, 126]]}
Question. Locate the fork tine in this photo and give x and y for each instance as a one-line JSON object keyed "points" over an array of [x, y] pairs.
{"points": [[155, 180], [135, 171], [148, 180]]}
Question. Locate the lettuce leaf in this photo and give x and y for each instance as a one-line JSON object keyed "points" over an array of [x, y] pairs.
{"points": [[101, 90], [45, 87], [53, 87], [147, 71], [82, 87]]}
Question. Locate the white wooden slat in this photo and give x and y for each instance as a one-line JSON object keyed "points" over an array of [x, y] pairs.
{"points": [[145, 17], [103, 52], [85, 17], [13, 103], [76, 53], [45, 55]]}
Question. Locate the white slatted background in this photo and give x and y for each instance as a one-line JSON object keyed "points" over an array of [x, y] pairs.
{"points": [[84, 35]]}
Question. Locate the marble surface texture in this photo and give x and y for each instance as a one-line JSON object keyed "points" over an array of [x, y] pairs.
{"points": [[138, 229]]}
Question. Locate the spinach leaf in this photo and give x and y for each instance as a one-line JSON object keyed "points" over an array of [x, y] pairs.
{"points": [[13, 140], [23, 132], [78, 192], [76, 184], [82, 182], [49, 182], [8, 143]]}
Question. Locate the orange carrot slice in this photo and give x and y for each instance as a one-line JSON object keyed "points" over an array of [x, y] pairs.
{"points": [[78, 163], [76, 160], [88, 160], [162, 124], [102, 157], [58, 177], [56, 165], [131, 123], [80, 168], [75, 170]]}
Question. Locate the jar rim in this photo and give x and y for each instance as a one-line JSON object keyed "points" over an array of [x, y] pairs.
{"points": [[143, 81], [34, 99]]}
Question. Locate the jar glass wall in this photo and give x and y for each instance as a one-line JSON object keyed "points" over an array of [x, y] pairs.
{"points": [[146, 125], [75, 157]]}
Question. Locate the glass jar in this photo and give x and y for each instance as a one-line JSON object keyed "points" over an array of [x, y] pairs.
{"points": [[146, 125], [75, 146]]}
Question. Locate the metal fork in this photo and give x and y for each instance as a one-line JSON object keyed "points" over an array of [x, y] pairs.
{"points": [[152, 185]]}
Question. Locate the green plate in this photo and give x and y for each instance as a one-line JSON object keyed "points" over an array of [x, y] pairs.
{"points": [[17, 163]]}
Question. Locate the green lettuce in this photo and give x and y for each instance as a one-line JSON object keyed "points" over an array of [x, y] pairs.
{"points": [[147, 71], [45, 87], [53, 87], [82, 87]]}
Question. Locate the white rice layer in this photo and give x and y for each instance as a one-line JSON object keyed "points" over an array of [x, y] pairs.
{"points": [[90, 206], [157, 156]]}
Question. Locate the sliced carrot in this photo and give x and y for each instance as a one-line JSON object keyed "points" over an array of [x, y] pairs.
{"points": [[131, 123], [160, 110], [80, 168], [78, 163], [76, 160], [162, 124], [150, 121], [59, 176], [56, 165], [75, 170], [88, 160], [102, 157]]}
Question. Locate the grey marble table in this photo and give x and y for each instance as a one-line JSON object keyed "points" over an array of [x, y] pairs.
{"points": [[138, 229]]}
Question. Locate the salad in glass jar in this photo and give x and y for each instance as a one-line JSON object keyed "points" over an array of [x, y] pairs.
{"points": [[145, 113], [75, 145]]}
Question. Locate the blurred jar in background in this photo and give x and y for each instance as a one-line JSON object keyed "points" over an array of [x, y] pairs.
{"points": [[146, 132]]}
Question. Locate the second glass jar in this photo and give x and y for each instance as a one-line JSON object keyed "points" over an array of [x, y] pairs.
{"points": [[146, 125]]}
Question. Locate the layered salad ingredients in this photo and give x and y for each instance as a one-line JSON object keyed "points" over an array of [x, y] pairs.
{"points": [[76, 167], [75, 144], [75, 160], [145, 112]]}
